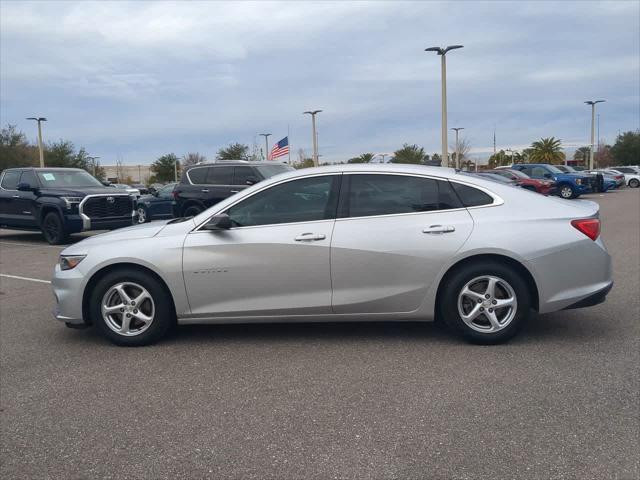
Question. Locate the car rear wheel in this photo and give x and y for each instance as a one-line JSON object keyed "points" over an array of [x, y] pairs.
{"points": [[634, 183], [566, 191], [142, 215], [486, 302], [53, 229], [192, 211], [131, 308]]}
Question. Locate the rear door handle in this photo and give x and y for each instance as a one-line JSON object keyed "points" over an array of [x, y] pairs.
{"points": [[16, 196], [310, 237], [235, 191], [439, 229], [205, 190]]}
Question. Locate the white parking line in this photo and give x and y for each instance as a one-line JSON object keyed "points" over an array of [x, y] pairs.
{"points": [[33, 245], [24, 278]]}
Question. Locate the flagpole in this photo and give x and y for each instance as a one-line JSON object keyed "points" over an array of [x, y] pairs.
{"points": [[289, 141]]}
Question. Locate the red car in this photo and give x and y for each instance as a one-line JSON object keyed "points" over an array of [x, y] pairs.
{"points": [[545, 187]]}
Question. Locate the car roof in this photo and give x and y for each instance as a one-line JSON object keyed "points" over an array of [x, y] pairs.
{"points": [[234, 163]]}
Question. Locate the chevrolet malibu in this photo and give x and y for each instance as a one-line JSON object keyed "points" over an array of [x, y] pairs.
{"points": [[344, 243]]}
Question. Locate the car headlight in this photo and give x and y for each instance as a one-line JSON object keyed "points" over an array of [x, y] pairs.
{"points": [[68, 262], [70, 201]]}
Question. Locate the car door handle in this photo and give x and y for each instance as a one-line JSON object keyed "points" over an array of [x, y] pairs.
{"points": [[205, 190], [439, 229], [16, 196], [235, 191], [310, 237]]}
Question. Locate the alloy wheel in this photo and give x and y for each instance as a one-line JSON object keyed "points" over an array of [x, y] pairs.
{"points": [[128, 309], [566, 192], [487, 304], [142, 215], [51, 228]]}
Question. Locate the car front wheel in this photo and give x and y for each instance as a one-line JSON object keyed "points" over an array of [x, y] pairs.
{"points": [[566, 191], [53, 229], [486, 302], [142, 215], [131, 308]]}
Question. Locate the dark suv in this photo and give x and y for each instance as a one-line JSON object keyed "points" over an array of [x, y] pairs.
{"points": [[206, 184], [60, 201]]}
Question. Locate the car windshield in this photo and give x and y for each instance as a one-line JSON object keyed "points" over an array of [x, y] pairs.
{"points": [[270, 170], [67, 178], [554, 169]]}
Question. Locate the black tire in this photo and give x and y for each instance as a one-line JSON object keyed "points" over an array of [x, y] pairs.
{"points": [[143, 214], [53, 229], [566, 191], [634, 183], [192, 211], [164, 314], [458, 279]]}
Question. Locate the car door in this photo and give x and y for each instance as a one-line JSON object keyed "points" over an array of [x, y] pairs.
{"points": [[24, 203], [219, 179], [243, 177], [8, 197], [393, 235], [163, 205], [275, 258]]}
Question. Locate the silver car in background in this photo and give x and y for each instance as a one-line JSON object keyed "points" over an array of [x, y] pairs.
{"points": [[344, 243]]}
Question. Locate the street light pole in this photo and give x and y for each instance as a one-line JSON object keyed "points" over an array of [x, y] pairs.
{"points": [[593, 128], [175, 171], [457, 129], [313, 114], [93, 164], [39, 120], [443, 52], [266, 144]]}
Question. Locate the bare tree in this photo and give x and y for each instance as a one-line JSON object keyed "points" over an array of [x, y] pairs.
{"points": [[464, 147], [192, 158]]}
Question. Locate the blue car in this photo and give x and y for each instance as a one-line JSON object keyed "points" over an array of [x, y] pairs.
{"points": [[569, 185], [156, 206], [608, 181]]}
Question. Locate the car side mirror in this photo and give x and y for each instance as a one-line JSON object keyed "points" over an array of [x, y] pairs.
{"points": [[251, 181], [106, 184], [25, 187], [218, 222]]}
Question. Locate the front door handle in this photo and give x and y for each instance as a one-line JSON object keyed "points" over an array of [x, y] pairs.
{"points": [[205, 190], [310, 237], [439, 229], [235, 191], [16, 196]]}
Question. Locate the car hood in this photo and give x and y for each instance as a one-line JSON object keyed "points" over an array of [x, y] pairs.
{"points": [[81, 191], [134, 232]]}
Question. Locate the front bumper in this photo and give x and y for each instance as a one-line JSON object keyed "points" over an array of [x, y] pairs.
{"points": [[68, 288]]}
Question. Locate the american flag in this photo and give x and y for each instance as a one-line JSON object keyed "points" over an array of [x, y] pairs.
{"points": [[280, 149]]}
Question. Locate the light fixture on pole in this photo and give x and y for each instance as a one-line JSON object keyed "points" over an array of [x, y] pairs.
{"points": [[593, 128], [266, 144], [457, 129], [443, 52], [39, 120], [313, 114], [513, 153]]}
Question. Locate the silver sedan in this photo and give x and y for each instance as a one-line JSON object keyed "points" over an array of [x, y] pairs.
{"points": [[344, 243]]}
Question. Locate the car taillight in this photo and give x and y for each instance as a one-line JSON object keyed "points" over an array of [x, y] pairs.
{"points": [[589, 226]]}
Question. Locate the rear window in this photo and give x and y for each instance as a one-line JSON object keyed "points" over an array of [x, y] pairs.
{"points": [[29, 177], [197, 175], [10, 180], [219, 175], [471, 197]]}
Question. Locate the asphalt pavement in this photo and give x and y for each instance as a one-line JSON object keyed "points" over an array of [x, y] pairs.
{"points": [[294, 401]]}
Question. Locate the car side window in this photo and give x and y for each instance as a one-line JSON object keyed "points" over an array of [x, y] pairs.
{"points": [[219, 175], [166, 191], [29, 177], [471, 197], [303, 200], [197, 176], [538, 172], [371, 194], [10, 180], [242, 174]]}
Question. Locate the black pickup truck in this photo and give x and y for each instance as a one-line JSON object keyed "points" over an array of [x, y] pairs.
{"points": [[206, 184], [60, 201]]}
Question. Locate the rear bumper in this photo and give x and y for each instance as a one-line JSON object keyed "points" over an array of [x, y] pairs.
{"points": [[593, 299]]}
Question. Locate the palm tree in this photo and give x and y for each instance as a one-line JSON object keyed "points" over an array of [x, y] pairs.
{"points": [[582, 155], [547, 150], [364, 158]]}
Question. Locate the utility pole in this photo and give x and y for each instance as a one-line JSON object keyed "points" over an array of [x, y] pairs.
{"points": [[93, 164], [39, 120], [175, 170], [457, 129], [313, 114], [443, 52], [593, 129], [266, 144]]}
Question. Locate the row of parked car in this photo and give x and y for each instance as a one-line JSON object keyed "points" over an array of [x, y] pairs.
{"points": [[60, 201]]}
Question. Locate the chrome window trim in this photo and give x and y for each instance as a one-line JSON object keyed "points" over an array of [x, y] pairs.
{"points": [[209, 184], [497, 200], [86, 220], [323, 174]]}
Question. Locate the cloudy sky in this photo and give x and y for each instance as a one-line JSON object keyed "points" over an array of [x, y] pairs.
{"points": [[134, 80]]}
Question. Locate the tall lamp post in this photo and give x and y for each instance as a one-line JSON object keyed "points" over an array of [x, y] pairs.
{"points": [[313, 114], [443, 52], [593, 128], [457, 129], [93, 164], [39, 120], [266, 144]]}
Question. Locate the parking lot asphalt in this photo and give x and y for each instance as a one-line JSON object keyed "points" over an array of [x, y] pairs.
{"points": [[292, 401]]}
